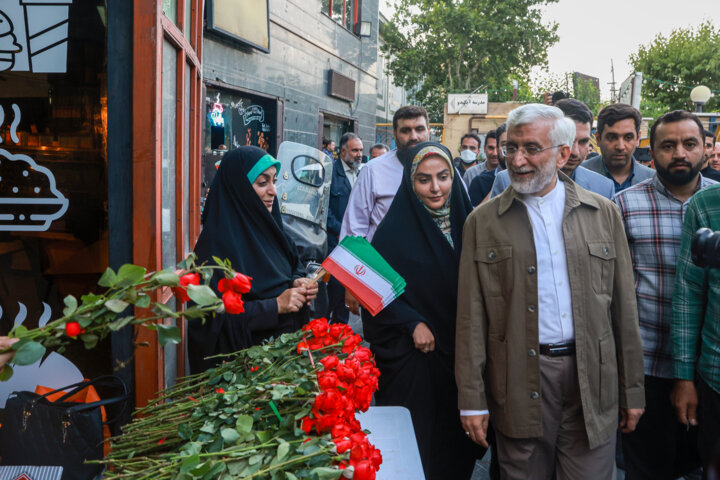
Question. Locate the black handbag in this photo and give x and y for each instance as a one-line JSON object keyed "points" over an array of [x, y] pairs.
{"points": [[36, 431]]}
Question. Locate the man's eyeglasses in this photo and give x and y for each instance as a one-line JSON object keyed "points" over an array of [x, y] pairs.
{"points": [[528, 152]]}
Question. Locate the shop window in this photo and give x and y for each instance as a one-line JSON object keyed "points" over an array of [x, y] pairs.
{"points": [[53, 163], [169, 153], [234, 119], [344, 12], [335, 127]]}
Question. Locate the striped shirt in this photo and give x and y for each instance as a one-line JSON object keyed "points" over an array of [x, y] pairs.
{"points": [[696, 300], [653, 219]]}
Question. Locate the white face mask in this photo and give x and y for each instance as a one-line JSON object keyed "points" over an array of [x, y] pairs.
{"points": [[468, 156]]}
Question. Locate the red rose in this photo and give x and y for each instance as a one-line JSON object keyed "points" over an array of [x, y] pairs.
{"points": [[307, 425], [233, 302], [319, 327], [73, 329], [337, 330], [330, 362], [362, 354], [376, 458], [364, 470], [343, 445], [302, 347], [327, 380], [351, 342], [181, 290], [239, 284]]}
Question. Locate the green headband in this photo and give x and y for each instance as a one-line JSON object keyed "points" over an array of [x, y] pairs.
{"points": [[263, 164]]}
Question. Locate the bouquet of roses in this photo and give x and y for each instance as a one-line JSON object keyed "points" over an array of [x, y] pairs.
{"points": [[283, 410], [95, 315]]}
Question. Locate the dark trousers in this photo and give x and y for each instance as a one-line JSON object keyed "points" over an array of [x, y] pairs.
{"points": [[660, 447], [709, 428], [336, 295]]}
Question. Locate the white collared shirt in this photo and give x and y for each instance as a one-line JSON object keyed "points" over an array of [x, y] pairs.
{"points": [[350, 173], [555, 319]]}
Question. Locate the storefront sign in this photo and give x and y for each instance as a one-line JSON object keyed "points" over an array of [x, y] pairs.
{"points": [[468, 104], [254, 113], [246, 21], [216, 115], [34, 35]]}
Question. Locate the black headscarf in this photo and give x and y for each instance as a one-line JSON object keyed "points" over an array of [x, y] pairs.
{"points": [[237, 226], [411, 242]]}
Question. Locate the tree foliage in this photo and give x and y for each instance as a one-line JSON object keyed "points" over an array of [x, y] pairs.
{"points": [[437, 47], [673, 65]]}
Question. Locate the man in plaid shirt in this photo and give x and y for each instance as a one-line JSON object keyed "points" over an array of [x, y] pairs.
{"points": [[695, 329], [652, 212]]}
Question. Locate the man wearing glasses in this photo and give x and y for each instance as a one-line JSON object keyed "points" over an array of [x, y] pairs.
{"points": [[547, 341]]}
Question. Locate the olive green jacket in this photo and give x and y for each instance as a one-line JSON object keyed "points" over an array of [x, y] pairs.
{"points": [[496, 357]]}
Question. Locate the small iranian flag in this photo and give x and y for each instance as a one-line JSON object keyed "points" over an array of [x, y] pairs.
{"points": [[361, 269]]}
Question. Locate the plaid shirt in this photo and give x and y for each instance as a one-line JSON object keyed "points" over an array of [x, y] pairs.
{"points": [[653, 223], [696, 300]]}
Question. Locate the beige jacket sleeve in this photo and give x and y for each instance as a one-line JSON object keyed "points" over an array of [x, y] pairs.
{"points": [[623, 311], [470, 336]]}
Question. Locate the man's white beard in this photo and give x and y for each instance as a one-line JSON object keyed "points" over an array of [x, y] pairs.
{"points": [[537, 182]]}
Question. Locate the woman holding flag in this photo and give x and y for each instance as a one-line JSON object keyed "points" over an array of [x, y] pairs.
{"points": [[242, 223], [413, 337]]}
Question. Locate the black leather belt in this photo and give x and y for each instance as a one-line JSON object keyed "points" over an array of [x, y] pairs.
{"points": [[557, 349]]}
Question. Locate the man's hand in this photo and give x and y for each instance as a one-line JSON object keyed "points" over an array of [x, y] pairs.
{"points": [[685, 400], [630, 418], [476, 426], [352, 304], [311, 288], [423, 338]]}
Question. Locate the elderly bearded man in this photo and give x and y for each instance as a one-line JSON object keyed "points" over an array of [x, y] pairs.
{"points": [[547, 332]]}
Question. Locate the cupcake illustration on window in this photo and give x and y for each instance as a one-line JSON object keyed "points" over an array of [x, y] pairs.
{"points": [[29, 200], [8, 43]]}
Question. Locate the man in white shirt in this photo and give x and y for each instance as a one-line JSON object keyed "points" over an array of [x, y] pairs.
{"points": [[379, 179], [547, 341]]}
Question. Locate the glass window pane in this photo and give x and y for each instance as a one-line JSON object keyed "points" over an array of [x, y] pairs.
{"points": [[186, 162], [337, 10], [171, 351], [349, 14], [169, 8], [188, 20], [169, 136], [326, 6]]}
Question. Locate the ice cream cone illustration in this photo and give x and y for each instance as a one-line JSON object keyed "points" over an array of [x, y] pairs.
{"points": [[8, 43]]}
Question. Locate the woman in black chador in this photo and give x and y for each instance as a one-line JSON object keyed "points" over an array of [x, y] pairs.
{"points": [[241, 222], [413, 339]]}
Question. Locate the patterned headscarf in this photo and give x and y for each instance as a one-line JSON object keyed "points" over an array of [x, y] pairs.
{"points": [[440, 216]]}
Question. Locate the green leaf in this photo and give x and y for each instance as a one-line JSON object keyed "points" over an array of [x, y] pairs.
{"points": [[193, 312], [244, 423], [108, 278], [236, 467], [120, 323], [28, 353], [326, 473], [70, 305], [290, 476], [18, 331], [162, 309], [282, 450], [143, 301], [258, 457], [91, 299], [201, 294], [185, 432], [167, 334], [218, 261], [190, 463], [90, 340], [129, 274], [6, 373], [216, 469], [229, 435], [85, 320], [116, 305], [168, 279], [263, 436]]}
